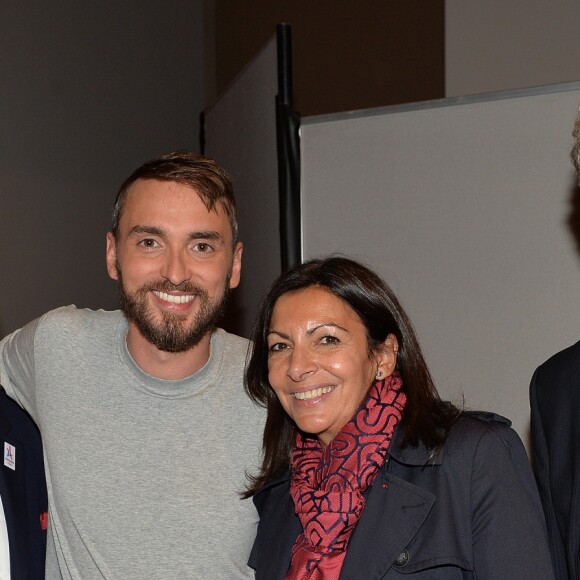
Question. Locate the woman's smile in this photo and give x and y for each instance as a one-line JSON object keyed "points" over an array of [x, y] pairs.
{"points": [[313, 393]]}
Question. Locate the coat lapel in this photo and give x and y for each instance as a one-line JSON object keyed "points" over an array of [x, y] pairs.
{"points": [[395, 510]]}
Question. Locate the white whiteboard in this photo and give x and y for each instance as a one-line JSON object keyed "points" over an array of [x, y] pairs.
{"points": [[463, 206]]}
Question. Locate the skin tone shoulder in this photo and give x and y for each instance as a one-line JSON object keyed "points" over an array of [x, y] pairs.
{"points": [[174, 262], [319, 363]]}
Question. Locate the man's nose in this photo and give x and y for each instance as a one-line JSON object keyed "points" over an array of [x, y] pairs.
{"points": [[175, 268]]}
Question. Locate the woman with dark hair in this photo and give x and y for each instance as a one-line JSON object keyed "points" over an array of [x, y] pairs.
{"points": [[367, 473]]}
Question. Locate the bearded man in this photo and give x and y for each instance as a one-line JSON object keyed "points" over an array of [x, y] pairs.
{"points": [[147, 431]]}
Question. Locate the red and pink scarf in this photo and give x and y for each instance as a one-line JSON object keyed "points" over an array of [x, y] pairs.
{"points": [[328, 484]]}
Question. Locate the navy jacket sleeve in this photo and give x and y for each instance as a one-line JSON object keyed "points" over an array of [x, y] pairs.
{"points": [[555, 413], [23, 491], [508, 531]]}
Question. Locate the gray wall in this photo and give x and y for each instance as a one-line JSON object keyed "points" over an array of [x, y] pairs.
{"points": [[89, 91], [493, 45], [469, 210], [240, 130]]}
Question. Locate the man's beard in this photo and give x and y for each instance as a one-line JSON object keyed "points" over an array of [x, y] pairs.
{"points": [[173, 334]]}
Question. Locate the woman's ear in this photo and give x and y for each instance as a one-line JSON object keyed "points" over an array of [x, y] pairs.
{"points": [[386, 357]]}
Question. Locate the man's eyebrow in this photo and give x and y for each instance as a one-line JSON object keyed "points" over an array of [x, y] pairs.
{"points": [[146, 230], [205, 235], [195, 235]]}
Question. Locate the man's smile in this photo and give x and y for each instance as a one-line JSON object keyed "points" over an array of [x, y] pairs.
{"points": [[177, 299]]}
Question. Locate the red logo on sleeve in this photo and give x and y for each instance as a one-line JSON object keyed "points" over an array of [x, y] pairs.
{"points": [[44, 521]]}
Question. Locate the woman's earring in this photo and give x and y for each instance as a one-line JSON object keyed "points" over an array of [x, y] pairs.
{"points": [[379, 375]]}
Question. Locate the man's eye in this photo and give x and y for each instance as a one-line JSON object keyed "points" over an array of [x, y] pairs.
{"points": [[148, 243], [203, 248], [329, 339]]}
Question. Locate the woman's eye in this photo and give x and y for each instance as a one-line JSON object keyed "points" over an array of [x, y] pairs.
{"points": [[329, 339], [203, 248], [277, 347]]}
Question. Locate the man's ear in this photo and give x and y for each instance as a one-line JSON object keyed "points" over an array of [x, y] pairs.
{"points": [[236, 265], [386, 356], [112, 256]]}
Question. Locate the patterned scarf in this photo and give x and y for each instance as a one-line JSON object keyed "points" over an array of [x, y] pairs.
{"points": [[327, 484]]}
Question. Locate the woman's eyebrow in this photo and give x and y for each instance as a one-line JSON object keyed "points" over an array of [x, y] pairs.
{"points": [[326, 325]]}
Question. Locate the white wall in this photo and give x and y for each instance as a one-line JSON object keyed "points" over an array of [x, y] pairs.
{"points": [[494, 45], [90, 90], [464, 207]]}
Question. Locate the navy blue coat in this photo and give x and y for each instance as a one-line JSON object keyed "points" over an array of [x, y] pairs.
{"points": [[473, 513], [555, 404], [23, 492]]}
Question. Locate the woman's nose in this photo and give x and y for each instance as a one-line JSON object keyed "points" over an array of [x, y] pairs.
{"points": [[301, 364]]}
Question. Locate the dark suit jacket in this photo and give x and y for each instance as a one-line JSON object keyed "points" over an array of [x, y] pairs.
{"points": [[23, 492], [473, 513], [555, 420]]}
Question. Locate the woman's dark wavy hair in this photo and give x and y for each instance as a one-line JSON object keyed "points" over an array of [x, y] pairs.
{"points": [[426, 418]]}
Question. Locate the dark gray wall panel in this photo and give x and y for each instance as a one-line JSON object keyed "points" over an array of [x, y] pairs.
{"points": [[90, 90], [240, 133]]}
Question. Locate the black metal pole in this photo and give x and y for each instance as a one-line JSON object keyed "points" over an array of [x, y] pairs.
{"points": [[288, 144]]}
